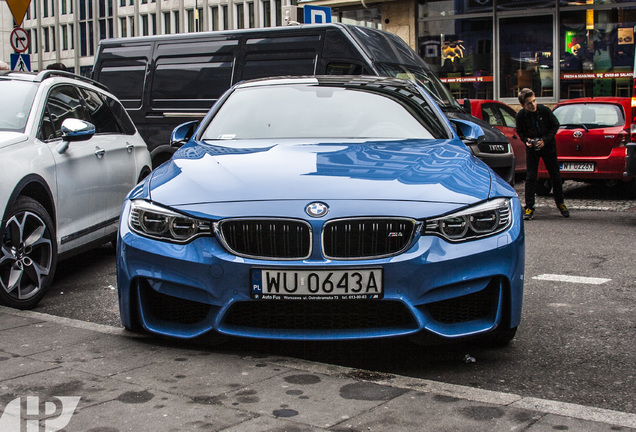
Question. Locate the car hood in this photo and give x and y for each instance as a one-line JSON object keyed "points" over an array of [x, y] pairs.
{"points": [[10, 138], [264, 170]]}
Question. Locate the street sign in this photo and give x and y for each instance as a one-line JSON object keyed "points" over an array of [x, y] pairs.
{"points": [[21, 62], [19, 40], [18, 9], [317, 14]]}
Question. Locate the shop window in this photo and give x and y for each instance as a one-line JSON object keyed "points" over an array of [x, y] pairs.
{"points": [[526, 60], [460, 52], [597, 54]]}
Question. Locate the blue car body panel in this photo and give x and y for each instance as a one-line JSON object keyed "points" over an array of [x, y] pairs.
{"points": [[279, 178]]}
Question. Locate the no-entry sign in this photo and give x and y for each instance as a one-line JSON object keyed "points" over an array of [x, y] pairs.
{"points": [[19, 40]]}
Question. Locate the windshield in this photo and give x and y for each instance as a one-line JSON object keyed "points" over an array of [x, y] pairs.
{"points": [[426, 79], [16, 99], [318, 111], [591, 115]]}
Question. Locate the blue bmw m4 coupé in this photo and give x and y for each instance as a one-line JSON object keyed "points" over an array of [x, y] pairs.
{"points": [[323, 208]]}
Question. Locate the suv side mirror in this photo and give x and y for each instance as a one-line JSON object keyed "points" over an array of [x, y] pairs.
{"points": [[182, 133], [74, 130]]}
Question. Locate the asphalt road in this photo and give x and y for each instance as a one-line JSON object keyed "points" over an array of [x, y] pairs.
{"points": [[575, 343]]}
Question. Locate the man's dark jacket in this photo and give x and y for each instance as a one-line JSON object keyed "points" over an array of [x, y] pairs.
{"points": [[539, 124]]}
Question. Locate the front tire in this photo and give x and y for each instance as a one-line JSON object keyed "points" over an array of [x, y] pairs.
{"points": [[28, 254]]}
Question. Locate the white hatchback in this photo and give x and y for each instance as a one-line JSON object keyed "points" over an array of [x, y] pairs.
{"points": [[69, 154]]}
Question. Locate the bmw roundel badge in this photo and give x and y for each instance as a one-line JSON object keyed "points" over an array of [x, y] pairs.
{"points": [[317, 209]]}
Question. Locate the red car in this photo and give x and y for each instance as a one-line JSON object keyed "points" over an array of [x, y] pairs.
{"points": [[591, 142], [502, 117]]}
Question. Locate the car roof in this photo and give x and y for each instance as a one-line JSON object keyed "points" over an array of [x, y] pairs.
{"points": [[368, 81], [38, 77]]}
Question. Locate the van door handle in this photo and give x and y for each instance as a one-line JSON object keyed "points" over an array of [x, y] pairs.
{"points": [[99, 152]]}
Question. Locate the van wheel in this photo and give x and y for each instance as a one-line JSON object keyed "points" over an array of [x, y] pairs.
{"points": [[28, 255], [544, 186]]}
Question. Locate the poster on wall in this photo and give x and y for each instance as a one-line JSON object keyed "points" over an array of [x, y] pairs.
{"points": [[625, 36]]}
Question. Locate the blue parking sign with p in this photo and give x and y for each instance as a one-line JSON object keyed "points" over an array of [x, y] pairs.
{"points": [[317, 14]]}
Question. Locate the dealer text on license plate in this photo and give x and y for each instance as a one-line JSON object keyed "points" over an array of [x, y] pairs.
{"points": [[577, 166], [349, 284]]}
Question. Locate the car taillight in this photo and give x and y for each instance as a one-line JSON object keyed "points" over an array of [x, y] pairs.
{"points": [[623, 137]]}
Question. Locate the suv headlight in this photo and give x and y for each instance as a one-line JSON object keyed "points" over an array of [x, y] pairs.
{"points": [[482, 220], [160, 223]]}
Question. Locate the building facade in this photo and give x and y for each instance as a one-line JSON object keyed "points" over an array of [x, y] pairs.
{"points": [[481, 48]]}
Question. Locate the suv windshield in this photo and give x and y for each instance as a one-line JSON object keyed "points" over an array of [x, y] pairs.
{"points": [[16, 99], [591, 115], [434, 86], [315, 111]]}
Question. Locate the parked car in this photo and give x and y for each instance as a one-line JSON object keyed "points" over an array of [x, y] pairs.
{"points": [[591, 142], [352, 210], [69, 155], [164, 80], [502, 116]]}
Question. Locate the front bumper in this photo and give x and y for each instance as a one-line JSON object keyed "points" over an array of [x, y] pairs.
{"points": [[449, 290]]}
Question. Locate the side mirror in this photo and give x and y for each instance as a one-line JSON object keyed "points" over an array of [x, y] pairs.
{"points": [[467, 106], [74, 130], [468, 132], [182, 133]]}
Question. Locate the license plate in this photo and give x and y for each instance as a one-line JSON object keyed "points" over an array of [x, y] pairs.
{"points": [[577, 166], [347, 284]]}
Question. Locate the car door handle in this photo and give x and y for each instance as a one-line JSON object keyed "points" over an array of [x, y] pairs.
{"points": [[99, 152], [130, 147]]}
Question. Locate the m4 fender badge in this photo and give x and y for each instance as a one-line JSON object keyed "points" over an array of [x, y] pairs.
{"points": [[396, 234], [317, 209]]}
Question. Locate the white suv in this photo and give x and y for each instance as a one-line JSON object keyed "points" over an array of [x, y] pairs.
{"points": [[69, 154]]}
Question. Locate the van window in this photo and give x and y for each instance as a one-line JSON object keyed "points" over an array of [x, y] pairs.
{"points": [[263, 65], [192, 74], [128, 89], [341, 68], [279, 56], [123, 70], [191, 82]]}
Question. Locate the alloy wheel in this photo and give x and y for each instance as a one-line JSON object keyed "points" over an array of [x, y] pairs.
{"points": [[26, 256]]}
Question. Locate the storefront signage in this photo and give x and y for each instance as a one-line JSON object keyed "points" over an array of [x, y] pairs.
{"points": [[597, 75], [467, 79]]}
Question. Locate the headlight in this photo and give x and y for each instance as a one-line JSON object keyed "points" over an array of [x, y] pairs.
{"points": [[482, 220], [159, 223]]}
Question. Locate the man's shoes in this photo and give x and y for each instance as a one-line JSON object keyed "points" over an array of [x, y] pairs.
{"points": [[563, 209], [528, 213]]}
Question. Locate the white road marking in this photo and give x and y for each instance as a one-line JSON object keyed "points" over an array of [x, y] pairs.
{"points": [[573, 279]]}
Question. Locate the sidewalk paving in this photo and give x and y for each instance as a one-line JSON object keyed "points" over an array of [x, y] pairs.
{"points": [[136, 383]]}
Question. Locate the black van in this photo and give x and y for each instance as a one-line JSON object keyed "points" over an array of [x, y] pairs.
{"points": [[166, 80]]}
